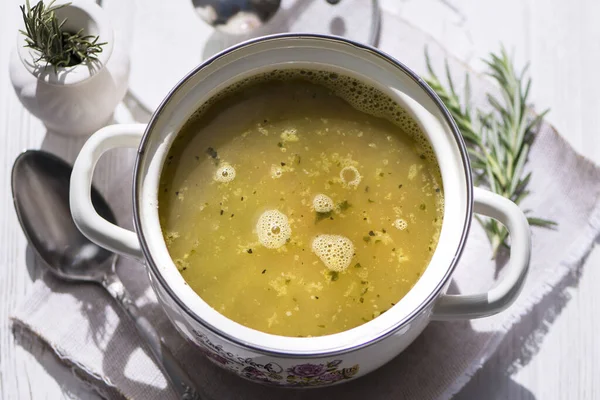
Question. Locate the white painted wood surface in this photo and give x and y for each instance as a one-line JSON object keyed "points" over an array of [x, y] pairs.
{"points": [[560, 39]]}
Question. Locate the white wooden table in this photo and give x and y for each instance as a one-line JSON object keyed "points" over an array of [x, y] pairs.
{"points": [[561, 40]]}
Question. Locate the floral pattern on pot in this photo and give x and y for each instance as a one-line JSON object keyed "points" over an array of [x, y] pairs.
{"points": [[306, 374]]}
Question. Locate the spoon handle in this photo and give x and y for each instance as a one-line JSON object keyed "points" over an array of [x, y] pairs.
{"points": [[181, 381]]}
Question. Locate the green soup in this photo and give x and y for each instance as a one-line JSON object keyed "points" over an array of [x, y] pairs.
{"points": [[297, 206]]}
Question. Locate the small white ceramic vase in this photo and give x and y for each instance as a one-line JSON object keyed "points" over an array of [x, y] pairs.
{"points": [[75, 100]]}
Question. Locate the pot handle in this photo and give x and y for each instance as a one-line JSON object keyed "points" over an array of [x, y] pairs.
{"points": [[469, 306], [89, 222]]}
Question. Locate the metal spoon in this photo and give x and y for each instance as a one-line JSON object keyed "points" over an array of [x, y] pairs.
{"points": [[236, 17], [241, 17], [40, 187]]}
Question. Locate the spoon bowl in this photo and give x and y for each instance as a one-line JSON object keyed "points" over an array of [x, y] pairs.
{"points": [[40, 187]]}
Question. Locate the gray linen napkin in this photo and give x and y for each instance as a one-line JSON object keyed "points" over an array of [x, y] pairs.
{"points": [[89, 333]]}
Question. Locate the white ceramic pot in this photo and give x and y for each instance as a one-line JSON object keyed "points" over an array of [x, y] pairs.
{"points": [[289, 361], [75, 100]]}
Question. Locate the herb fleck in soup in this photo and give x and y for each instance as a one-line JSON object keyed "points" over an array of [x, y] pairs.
{"points": [[301, 203]]}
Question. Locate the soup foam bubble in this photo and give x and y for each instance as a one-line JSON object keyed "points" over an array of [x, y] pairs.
{"points": [[350, 176], [225, 173], [335, 251], [273, 229], [400, 224], [322, 203]]}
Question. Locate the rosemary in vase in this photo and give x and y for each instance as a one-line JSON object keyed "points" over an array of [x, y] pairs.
{"points": [[57, 47], [498, 142]]}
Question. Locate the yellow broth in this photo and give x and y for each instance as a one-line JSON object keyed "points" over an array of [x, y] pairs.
{"points": [[287, 141]]}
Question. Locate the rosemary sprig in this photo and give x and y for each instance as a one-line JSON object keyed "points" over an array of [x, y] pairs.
{"points": [[498, 141], [57, 47]]}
